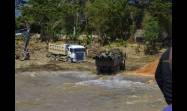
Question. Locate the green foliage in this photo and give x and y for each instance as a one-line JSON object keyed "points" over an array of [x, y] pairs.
{"points": [[88, 39], [152, 30], [110, 19], [53, 16], [19, 22], [151, 27], [162, 9]]}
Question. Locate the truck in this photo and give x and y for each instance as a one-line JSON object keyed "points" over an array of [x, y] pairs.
{"points": [[67, 52], [110, 61]]}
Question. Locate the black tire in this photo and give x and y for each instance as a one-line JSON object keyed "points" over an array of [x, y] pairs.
{"points": [[122, 66], [117, 68], [52, 57], [112, 69], [57, 58], [98, 71], [66, 59], [70, 60], [48, 55]]}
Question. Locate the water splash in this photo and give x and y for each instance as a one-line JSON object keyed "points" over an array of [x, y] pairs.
{"points": [[116, 82]]}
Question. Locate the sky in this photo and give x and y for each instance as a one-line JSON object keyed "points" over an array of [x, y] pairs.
{"points": [[18, 12]]}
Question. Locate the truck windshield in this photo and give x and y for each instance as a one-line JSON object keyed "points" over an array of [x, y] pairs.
{"points": [[77, 50]]}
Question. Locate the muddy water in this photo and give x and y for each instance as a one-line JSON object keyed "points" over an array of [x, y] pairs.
{"points": [[84, 91]]}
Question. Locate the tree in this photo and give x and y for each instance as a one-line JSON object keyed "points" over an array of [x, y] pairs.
{"points": [[54, 16], [110, 19], [152, 30], [162, 9], [113, 18]]}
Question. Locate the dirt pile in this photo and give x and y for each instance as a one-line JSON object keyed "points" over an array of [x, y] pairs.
{"points": [[148, 69]]}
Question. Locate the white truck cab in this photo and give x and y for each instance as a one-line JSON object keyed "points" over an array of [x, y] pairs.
{"points": [[70, 52], [76, 53]]}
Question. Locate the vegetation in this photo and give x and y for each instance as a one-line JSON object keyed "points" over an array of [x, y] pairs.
{"points": [[111, 20], [151, 27]]}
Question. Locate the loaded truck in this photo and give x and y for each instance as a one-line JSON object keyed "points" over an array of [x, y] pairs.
{"points": [[67, 52], [110, 61]]}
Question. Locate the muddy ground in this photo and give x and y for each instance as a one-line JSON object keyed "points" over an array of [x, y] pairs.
{"points": [[85, 91], [44, 85]]}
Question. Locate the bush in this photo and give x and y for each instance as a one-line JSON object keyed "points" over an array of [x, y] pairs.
{"points": [[119, 43]]}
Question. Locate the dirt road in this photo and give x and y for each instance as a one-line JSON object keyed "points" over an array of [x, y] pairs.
{"points": [[84, 91]]}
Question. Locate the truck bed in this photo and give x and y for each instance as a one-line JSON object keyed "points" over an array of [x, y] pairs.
{"points": [[56, 49]]}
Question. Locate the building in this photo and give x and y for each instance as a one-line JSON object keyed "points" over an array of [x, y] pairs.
{"points": [[139, 35]]}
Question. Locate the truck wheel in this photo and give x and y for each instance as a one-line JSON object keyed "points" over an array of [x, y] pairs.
{"points": [[122, 67], [112, 69], [52, 57], [98, 71], [117, 68], [70, 59], [48, 55], [57, 58]]}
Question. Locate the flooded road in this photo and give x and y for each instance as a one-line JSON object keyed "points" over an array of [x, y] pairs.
{"points": [[84, 91]]}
